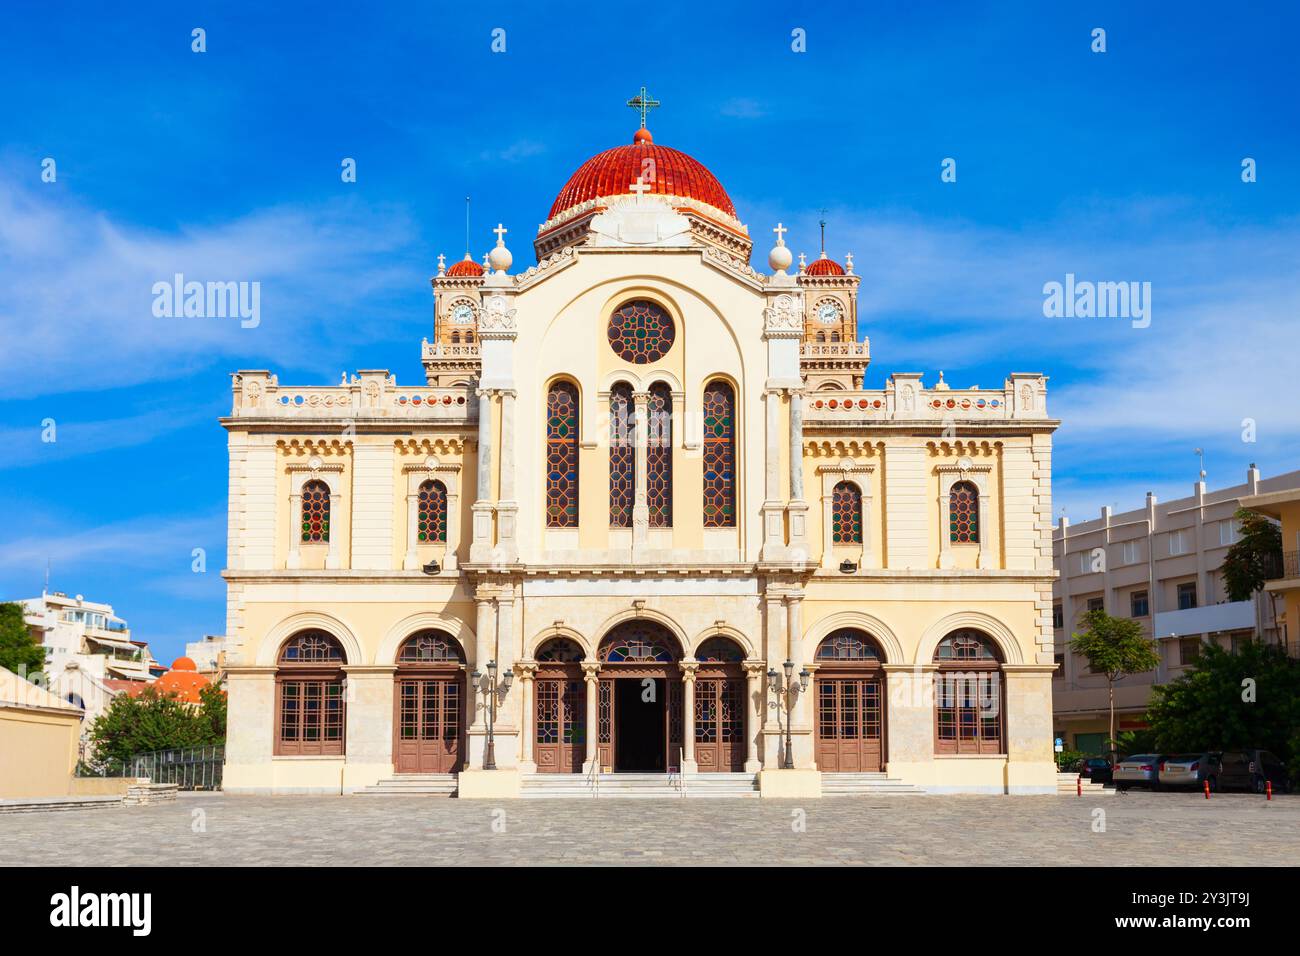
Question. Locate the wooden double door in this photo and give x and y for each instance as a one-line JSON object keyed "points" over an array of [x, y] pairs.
{"points": [[639, 719], [429, 723], [560, 720], [720, 721], [850, 721]]}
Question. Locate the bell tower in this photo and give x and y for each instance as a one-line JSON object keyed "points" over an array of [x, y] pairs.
{"points": [[830, 356]]}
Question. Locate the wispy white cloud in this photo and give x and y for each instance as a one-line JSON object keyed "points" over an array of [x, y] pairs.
{"points": [[76, 287], [148, 542], [515, 152], [76, 438], [743, 107]]}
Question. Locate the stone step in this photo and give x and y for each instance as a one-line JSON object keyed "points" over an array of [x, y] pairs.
{"points": [[867, 783], [640, 785], [414, 784], [57, 804]]}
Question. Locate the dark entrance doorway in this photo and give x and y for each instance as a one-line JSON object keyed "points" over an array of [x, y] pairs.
{"points": [[640, 713]]}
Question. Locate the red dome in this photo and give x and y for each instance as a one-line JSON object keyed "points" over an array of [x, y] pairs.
{"points": [[466, 267], [673, 173], [184, 664], [825, 267]]}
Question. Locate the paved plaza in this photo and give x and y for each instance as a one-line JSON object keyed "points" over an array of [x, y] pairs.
{"points": [[1141, 829]]}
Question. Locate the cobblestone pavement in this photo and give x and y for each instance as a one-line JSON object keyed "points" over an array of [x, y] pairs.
{"points": [[1140, 829]]}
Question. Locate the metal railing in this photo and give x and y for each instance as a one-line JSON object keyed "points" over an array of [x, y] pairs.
{"points": [[194, 768], [1283, 565]]}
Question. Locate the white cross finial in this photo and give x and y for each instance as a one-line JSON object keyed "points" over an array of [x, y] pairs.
{"points": [[803, 261], [500, 230], [640, 187], [780, 231], [442, 262]]}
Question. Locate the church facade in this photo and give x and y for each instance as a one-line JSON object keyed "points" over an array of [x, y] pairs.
{"points": [[641, 517]]}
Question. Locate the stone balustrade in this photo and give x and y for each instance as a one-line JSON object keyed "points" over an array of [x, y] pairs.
{"points": [[366, 395], [1024, 397]]}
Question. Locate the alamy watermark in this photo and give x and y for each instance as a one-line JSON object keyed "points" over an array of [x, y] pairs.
{"points": [[208, 300], [1084, 299]]}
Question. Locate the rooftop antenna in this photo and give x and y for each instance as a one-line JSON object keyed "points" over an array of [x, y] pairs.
{"points": [[47, 577], [1200, 453], [822, 223], [466, 227]]}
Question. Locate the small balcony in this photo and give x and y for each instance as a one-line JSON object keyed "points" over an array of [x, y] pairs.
{"points": [[1284, 566]]}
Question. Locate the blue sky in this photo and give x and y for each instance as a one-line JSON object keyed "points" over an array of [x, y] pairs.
{"points": [[1115, 166]]}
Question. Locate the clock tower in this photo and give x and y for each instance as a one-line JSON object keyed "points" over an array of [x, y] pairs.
{"points": [[452, 358], [830, 355]]}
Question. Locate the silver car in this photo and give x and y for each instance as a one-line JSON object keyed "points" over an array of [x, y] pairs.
{"points": [[1190, 770], [1139, 770]]}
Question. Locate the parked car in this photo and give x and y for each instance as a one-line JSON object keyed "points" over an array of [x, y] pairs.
{"points": [[1096, 769], [1250, 769], [1139, 770], [1190, 770]]}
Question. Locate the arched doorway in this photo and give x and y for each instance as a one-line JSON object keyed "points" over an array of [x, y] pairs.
{"points": [[560, 708], [720, 705], [850, 701], [639, 712], [429, 722], [968, 695]]}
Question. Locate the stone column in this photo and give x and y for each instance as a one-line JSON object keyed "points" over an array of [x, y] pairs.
{"points": [[688, 669], [986, 553], [294, 561], [482, 545], [1031, 765], [801, 739], [772, 508], [507, 507], [640, 497], [590, 674], [484, 639], [336, 513], [506, 726], [368, 699], [525, 671], [412, 560], [798, 507], [775, 642], [754, 703]]}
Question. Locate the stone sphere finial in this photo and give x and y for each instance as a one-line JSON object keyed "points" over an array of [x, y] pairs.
{"points": [[500, 258]]}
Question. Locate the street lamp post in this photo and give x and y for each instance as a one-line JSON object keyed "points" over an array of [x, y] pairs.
{"points": [[786, 693], [491, 692]]}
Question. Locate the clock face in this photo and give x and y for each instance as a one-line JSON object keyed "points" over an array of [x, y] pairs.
{"points": [[828, 313], [463, 314]]}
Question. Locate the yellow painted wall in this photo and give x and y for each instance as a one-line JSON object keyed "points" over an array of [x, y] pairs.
{"points": [[38, 752]]}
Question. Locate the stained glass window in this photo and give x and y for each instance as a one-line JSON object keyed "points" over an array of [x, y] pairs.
{"points": [[622, 456], [720, 650], [967, 645], [641, 332], [430, 647], [560, 650], [846, 514], [638, 642], [315, 512], [311, 647], [719, 456], [964, 513], [562, 456], [848, 645], [659, 456], [432, 515]]}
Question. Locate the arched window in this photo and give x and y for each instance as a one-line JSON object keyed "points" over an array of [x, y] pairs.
{"points": [[562, 456], [659, 456], [315, 512], [637, 642], [719, 455], [432, 517], [846, 514], [968, 696], [430, 647], [720, 650], [560, 650], [309, 713], [622, 456], [964, 513], [848, 644]]}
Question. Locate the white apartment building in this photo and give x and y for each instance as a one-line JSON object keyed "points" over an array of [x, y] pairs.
{"points": [[1159, 564], [90, 656], [207, 654]]}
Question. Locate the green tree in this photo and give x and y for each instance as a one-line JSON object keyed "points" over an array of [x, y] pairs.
{"points": [[1227, 701], [212, 707], [154, 721], [1255, 557], [1114, 647], [19, 652]]}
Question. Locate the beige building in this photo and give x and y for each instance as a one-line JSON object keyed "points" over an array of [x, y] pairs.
{"points": [[1283, 586], [90, 656], [1110, 563], [38, 740], [641, 492]]}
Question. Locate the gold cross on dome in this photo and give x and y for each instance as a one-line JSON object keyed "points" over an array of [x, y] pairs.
{"points": [[644, 103]]}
